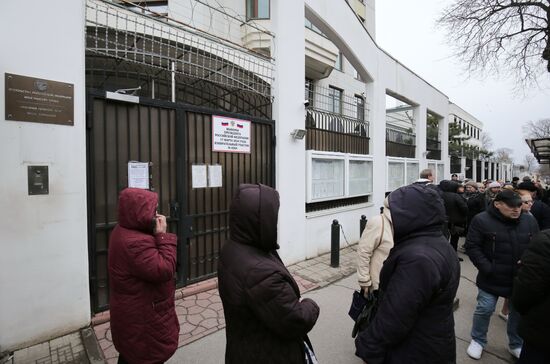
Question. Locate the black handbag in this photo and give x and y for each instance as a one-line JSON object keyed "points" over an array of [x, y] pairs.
{"points": [[358, 302], [367, 314]]}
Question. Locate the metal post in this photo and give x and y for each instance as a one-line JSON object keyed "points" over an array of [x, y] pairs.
{"points": [[335, 244], [362, 224], [173, 82]]}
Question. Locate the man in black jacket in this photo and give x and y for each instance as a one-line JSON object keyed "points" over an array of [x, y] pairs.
{"points": [[418, 283], [531, 298], [540, 210], [496, 239]]}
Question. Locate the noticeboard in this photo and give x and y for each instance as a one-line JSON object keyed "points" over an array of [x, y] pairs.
{"points": [[38, 100], [230, 135]]}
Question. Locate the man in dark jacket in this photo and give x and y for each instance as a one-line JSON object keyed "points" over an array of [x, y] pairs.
{"points": [[531, 298], [456, 210], [418, 283], [496, 239], [540, 210], [266, 321], [142, 264]]}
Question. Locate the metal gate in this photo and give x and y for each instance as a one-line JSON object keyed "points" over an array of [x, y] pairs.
{"points": [[172, 137]]}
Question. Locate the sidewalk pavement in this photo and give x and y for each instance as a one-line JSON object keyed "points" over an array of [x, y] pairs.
{"points": [[199, 310], [202, 335]]}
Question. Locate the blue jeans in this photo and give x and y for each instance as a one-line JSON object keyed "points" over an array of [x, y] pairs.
{"points": [[486, 303]]}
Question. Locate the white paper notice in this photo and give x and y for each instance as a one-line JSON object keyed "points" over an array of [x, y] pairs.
{"points": [[138, 175], [199, 176], [215, 175]]}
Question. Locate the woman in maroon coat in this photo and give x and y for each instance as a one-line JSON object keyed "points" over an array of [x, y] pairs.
{"points": [[266, 321], [142, 263]]}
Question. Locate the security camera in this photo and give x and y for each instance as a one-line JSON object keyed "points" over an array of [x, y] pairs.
{"points": [[306, 103]]}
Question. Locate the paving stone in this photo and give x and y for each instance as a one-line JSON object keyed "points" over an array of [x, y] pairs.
{"points": [[186, 328], [209, 313], [203, 303], [194, 319], [193, 310], [209, 323]]}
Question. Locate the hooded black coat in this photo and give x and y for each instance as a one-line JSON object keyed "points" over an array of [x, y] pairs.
{"points": [[419, 280], [455, 205], [495, 244], [265, 320]]}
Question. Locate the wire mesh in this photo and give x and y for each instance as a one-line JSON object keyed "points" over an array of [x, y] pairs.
{"points": [[168, 45]]}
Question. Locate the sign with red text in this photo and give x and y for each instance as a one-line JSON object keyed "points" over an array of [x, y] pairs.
{"points": [[230, 135]]}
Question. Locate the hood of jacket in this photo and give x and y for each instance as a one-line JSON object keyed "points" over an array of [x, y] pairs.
{"points": [[415, 209], [448, 186], [137, 209], [253, 216]]}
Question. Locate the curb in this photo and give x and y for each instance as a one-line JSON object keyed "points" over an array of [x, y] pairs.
{"points": [[91, 346]]}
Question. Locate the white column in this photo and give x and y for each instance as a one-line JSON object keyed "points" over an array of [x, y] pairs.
{"points": [[378, 140], [444, 128], [474, 169], [420, 115], [463, 166], [289, 114]]}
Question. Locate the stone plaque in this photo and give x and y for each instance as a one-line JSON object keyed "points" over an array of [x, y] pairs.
{"points": [[38, 100]]}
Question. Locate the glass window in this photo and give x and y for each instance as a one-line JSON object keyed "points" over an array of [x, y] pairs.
{"points": [[360, 177], [396, 175], [257, 9], [338, 175], [335, 100], [440, 172], [413, 172], [327, 178], [338, 64]]}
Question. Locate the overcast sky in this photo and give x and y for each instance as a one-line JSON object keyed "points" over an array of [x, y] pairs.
{"points": [[407, 30]]}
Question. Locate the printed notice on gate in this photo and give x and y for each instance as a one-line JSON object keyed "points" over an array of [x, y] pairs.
{"points": [[138, 175], [230, 135]]}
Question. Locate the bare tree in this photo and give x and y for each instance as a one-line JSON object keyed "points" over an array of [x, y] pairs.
{"points": [[537, 129], [530, 163], [486, 141], [497, 35], [503, 155]]}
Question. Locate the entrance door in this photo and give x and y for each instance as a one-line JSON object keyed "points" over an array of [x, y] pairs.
{"points": [[173, 138]]}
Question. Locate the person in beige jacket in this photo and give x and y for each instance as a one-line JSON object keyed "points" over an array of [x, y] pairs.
{"points": [[373, 249]]}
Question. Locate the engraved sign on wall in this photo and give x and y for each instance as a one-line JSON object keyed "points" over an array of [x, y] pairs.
{"points": [[230, 135], [38, 100]]}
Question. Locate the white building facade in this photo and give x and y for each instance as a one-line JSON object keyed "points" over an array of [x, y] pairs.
{"points": [[149, 89]]}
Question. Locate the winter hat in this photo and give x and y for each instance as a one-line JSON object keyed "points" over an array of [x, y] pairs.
{"points": [[471, 183], [528, 186], [509, 197], [494, 185]]}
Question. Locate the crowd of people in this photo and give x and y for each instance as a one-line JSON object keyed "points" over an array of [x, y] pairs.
{"points": [[406, 257], [501, 223]]}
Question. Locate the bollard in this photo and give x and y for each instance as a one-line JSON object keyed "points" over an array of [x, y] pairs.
{"points": [[335, 244], [362, 224]]}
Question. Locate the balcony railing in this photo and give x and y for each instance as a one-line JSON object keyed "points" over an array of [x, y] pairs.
{"points": [[400, 143], [335, 121]]}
